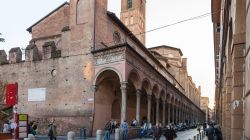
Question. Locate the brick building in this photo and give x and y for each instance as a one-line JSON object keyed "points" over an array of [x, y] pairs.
{"points": [[231, 26], [84, 66], [205, 108]]}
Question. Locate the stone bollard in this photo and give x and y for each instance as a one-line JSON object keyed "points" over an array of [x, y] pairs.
{"points": [[198, 136], [71, 135], [99, 134], [117, 134], [30, 137]]}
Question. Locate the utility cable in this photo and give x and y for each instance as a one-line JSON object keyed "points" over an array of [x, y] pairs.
{"points": [[185, 20]]}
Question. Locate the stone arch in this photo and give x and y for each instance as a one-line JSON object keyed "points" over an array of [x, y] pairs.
{"points": [[155, 91], [168, 97], [146, 85], [107, 98], [107, 69], [145, 92], [162, 95], [176, 101], [134, 78]]}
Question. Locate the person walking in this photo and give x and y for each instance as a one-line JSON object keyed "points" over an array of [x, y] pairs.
{"points": [[124, 130], [157, 132], [107, 129], [6, 127], [217, 135], [52, 130], [210, 132]]}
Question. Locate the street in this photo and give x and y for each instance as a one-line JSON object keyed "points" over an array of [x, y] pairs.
{"points": [[183, 135], [186, 135]]}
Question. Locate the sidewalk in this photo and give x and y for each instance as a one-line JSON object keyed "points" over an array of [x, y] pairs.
{"points": [[41, 137]]}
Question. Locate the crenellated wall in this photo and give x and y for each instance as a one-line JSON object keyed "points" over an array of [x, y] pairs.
{"points": [[67, 81]]}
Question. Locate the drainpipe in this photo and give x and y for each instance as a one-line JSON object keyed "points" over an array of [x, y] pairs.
{"points": [[93, 49], [94, 88]]}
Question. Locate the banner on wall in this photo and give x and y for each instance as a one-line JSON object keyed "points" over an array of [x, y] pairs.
{"points": [[11, 94]]}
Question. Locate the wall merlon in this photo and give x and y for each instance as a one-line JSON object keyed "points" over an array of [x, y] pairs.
{"points": [[15, 55], [31, 53], [49, 50], [3, 57]]}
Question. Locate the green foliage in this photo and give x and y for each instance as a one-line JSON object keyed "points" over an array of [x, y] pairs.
{"points": [[2, 91], [1, 39]]}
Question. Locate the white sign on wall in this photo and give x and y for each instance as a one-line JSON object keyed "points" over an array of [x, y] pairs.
{"points": [[36, 94]]}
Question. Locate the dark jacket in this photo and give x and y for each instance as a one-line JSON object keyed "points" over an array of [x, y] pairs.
{"points": [[157, 133], [169, 134]]}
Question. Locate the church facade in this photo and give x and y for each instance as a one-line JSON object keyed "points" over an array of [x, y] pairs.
{"points": [[92, 67]]}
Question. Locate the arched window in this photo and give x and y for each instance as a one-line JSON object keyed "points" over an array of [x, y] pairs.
{"points": [[129, 4]]}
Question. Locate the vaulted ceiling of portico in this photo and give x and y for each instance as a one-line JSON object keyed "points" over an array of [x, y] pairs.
{"points": [[155, 91]]}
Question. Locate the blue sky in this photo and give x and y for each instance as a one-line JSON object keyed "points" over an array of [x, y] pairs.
{"points": [[194, 38]]}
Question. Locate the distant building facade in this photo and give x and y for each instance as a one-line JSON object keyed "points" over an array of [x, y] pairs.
{"points": [[84, 67], [205, 108], [231, 26], [171, 58]]}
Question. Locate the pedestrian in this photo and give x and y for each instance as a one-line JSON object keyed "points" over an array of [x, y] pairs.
{"points": [[6, 127], [198, 128], [168, 133], [157, 132], [124, 130], [210, 132], [134, 122], [12, 126], [107, 129], [52, 130], [34, 128], [217, 135], [114, 126]]}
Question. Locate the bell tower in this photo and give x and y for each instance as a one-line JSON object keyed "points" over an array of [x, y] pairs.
{"points": [[133, 15]]}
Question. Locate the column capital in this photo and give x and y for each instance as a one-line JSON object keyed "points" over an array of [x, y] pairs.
{"points": [[163, 101], [124, 85], [138, 92], [94, 88], [157, 99], [149, 96]]}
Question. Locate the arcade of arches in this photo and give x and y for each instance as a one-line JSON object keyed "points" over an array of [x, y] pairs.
{"points": [[131, 94]]}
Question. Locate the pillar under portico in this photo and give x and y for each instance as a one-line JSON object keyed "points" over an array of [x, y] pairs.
{"points": [[124, 86], [149, 97], [138, 105]]}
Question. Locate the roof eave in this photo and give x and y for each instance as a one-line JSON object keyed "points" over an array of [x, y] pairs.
{"points": [[30, 28]]}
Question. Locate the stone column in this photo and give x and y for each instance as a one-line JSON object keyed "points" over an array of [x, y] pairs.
{"points": [[164, 113], [183, 115], [168, 107], [149, 107], [124, 101], [157, 111], [179, 113], [176, 113], [138, 105], [173, 116]]}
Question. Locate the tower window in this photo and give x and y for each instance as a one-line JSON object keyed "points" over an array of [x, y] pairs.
{"points": [[129, 4]]}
